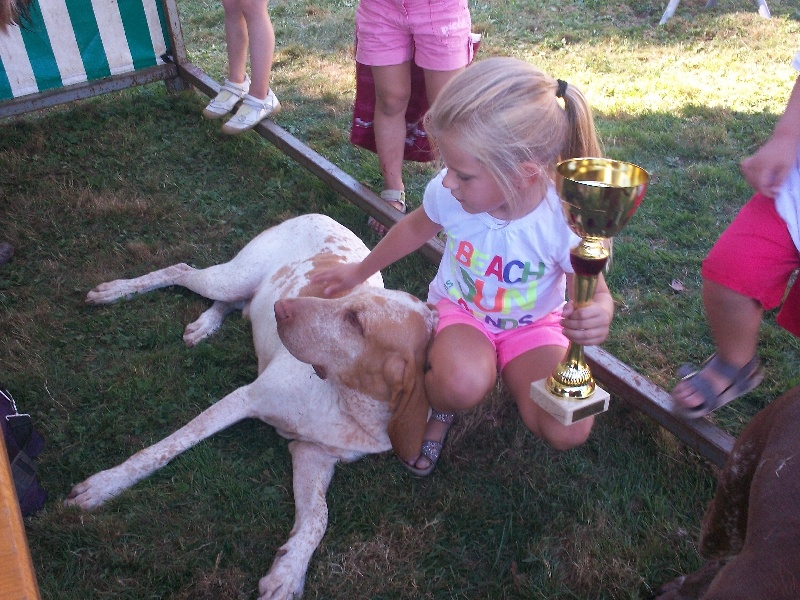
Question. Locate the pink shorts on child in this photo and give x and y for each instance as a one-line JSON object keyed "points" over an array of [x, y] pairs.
{"points": [[755, 256], [510, 344], [435, 33]]}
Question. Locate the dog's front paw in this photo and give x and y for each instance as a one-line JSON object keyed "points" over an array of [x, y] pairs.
{"points": [[201, 328], [284, 581], [109, 292], [96, 490]]}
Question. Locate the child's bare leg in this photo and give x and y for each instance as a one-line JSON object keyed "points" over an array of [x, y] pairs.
{"points": [[518, 375], [392, 94], [261, 37], [463, 370], [236, 40], [735, 321], [435, 80]]}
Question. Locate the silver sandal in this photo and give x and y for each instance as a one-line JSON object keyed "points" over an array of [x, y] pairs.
{"points": [[432, 449]]}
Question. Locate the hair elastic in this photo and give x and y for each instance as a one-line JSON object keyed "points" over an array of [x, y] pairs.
{"points": [[562, 88]]}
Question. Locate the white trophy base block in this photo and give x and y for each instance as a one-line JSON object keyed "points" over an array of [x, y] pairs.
{"points": [[569, 410]]}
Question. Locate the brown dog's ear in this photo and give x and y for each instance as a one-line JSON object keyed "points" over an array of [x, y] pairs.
{"points": [[409, 405]]}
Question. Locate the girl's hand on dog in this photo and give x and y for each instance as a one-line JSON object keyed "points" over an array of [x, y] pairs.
{"points": [[340, 279]]}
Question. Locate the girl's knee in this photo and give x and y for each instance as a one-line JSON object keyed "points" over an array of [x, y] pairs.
{"points": [[458, 389], [391, 104], [562, 437], [567, 442]]}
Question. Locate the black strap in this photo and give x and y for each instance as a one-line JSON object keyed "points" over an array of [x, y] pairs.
{"points": [[21, 427], [23, 471], [19, 424]]}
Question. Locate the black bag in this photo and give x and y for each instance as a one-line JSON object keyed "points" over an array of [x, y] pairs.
{"points": [[23, 445]]}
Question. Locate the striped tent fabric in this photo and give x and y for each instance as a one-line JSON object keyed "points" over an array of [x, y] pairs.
{"points": [[73, 41]]}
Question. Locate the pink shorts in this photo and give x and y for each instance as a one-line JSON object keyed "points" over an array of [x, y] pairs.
{"points": [[755, 256], [435, 33], [508, 345]]}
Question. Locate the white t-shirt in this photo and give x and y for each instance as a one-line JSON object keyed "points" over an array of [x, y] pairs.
{"points": [[508, 274], [787, 202]]}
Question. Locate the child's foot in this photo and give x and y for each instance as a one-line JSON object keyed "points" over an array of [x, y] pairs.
{"points": [[251, 113], [396, 198], [437, 429], [713, 385], [228, 96]]}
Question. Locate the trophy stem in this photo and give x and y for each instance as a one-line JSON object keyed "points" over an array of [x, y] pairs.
{"points": [[572, 377]]}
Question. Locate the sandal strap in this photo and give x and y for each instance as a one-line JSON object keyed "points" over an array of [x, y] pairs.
{"points": [[442, 417], [431, 450], [398, 196], [722, 367], [255, 103], [237, 89]]}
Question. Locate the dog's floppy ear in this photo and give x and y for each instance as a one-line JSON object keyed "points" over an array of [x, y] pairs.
{"points": [[409, 404]]}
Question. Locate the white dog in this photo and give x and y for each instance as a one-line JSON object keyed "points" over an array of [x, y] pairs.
{"points": [[340, 377]]}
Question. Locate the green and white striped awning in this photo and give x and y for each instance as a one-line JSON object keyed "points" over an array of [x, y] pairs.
{"points": [[74, 41]]}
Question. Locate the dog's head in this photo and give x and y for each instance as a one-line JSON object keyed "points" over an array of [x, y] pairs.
{"points": [[374, 341]]}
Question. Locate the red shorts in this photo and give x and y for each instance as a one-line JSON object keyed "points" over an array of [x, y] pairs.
{"points": [[755, 256], [508, 345]]}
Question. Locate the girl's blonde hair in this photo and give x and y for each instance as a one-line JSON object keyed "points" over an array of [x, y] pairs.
{"points": [[11, 11], [505, 113]]}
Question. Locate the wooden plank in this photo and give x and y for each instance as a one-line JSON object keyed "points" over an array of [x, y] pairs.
{"points": [[17, 577], [761, 5], [175, 30], [88, 89], [621, 380], [178, 49]]}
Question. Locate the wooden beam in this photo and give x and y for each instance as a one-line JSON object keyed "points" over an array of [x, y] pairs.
{"points": [[637, 390], [17, 577], [80, 91], [761, 5]]}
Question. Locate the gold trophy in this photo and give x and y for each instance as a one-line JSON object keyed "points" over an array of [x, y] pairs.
{"points": [[599, 196]]}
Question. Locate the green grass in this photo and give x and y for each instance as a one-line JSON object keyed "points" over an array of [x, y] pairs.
{"points": [[119, 185]]}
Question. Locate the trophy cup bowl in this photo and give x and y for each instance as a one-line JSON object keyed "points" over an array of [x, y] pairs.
{"points": [[598, 196]]}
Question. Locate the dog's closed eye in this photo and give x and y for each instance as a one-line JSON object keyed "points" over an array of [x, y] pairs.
{"points": [[351, 318]]}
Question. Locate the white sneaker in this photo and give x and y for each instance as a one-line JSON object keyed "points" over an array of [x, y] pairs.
{"points": [[226, 99], [251, 113]]}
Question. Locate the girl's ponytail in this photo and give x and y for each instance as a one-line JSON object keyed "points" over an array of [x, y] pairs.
{"points": [[581, 135]]}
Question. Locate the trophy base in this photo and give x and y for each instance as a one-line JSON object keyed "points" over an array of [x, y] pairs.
{"points": [[569, 410]]}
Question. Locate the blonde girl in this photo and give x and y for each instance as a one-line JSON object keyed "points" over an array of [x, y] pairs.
{"points": [[500, 127]]}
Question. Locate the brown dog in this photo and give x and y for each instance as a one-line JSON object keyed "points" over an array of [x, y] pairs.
{"points": [[751, 530]]}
